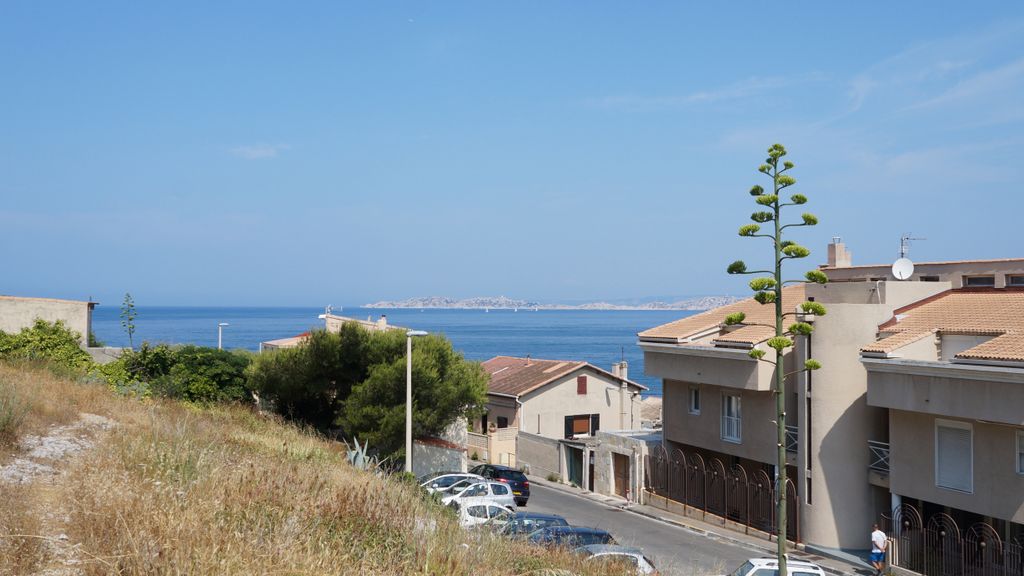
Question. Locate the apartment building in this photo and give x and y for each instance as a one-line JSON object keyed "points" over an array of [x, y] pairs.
{"points": [[720, 449]]}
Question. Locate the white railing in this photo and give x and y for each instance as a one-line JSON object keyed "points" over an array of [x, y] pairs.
{"points": [[879, 452]]}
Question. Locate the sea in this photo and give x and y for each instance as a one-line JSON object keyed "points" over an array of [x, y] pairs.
{"points": [[601, 337]]}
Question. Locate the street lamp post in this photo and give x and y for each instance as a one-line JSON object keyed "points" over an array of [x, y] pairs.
{"points": [[408, 396], [220, 334]]}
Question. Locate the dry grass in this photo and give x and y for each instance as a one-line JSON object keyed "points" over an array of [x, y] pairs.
{"points": [[180, 490]]}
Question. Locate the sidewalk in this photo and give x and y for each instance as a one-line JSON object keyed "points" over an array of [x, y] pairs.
{"points": [[836, 563]]}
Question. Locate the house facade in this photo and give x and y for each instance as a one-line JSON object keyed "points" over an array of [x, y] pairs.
{"points": [[949, 373], [554, 409], [719, 453]]}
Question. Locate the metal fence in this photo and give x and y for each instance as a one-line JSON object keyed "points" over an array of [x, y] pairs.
{"points": [[727, 493], [939, 547]]}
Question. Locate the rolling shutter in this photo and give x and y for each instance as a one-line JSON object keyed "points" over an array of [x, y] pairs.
{"points": [[953, 457]]}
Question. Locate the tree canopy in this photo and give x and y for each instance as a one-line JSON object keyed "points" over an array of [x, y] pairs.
{"points": [[353, 382]]}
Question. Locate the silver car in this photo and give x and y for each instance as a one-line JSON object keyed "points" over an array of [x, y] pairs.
{"points": [[445, 481], [495, 492]]}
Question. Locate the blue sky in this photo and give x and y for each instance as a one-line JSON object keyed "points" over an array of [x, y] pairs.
{"points": [[310, 153]]}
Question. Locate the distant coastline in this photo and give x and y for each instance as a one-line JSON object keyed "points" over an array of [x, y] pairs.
{"points": [[505, 303]]}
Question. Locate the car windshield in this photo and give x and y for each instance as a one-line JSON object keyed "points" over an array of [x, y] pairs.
{"points": [[743, 570], [461, 485]]}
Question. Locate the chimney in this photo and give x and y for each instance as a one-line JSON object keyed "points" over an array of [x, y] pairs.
{"points": [[615, 369], [623, 370], [838, 257]]}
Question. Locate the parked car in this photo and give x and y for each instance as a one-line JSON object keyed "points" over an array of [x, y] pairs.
{"points": [[522, 524], [620, 556], [770, 567], [441, 482], [494, 491], [475, 512], [570, 536], [460, 486], [514, 478]]}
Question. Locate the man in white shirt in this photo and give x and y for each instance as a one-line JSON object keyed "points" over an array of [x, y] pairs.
{"points": [[878, 545]]}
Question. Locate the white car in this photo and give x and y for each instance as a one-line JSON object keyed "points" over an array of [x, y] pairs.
{"points": [[613, 553], [495, 492], [476, 511], [770, 567], [445, 481]]}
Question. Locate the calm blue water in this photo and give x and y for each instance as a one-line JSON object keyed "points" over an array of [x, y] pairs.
{"points": [[600, 337]]}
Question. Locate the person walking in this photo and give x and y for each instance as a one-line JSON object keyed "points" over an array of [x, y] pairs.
{"points": [[879, 543]]}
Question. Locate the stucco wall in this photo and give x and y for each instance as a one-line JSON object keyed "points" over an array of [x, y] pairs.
{"points": [[961, 391], [998, 489], [538, 454], [757, 411], [841, 420], [17, 313], [543, 411], [428, 459], [634, 448]]}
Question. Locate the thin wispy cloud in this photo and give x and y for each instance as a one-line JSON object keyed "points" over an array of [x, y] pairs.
{"points": [[258, 151], [746, 88], [1003, 80]]}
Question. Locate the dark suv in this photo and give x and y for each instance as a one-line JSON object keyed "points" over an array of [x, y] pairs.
{"points": [[514, 478]]}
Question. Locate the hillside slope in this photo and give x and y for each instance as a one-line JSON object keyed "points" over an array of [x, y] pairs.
{"points": [[164, 487]]}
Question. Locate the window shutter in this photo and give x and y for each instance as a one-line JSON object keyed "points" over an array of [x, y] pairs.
{"points": [[953, 455], [595, 423], [568, 426], [581, 384]]}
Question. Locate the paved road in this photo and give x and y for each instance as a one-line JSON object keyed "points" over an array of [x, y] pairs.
{"points": [[674, 550]]}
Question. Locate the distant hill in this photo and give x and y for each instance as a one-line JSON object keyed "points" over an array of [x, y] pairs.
{"points": [[503, 302]]}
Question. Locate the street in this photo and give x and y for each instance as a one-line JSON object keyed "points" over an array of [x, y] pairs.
{"points": [[674, 550]]}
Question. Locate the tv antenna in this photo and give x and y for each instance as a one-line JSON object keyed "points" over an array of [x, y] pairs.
{"points": [[905, 244], [903, 268]]}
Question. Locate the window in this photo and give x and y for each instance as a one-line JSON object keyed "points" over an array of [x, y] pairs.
{"points": [[477, 511], [582, 424], [929, 278], [979, 280], [1020, 452], [502, 422], [731, 424], [954, 461], [1015, 279], [499, 489], [581, 384], [694, 399]]}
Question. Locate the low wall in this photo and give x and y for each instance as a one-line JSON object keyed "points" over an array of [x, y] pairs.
{"points": [[539, 454], [104, 354], [428, 459], [17, 313]]}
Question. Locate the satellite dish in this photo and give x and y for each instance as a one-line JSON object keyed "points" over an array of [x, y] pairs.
{"points": [[903, 268]]}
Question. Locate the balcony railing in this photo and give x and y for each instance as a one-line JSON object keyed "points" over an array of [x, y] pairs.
{"points": [[879, 452], [792, 438]]}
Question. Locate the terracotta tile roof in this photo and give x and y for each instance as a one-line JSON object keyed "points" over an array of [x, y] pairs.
{"points": [[513, 376], [992, 312], [439, 442], [712, 321]]}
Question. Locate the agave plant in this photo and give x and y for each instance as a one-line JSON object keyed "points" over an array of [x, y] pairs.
{"points": [[358, 457]]}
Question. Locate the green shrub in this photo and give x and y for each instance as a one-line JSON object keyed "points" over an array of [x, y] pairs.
{"points": [[54, 343]]}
